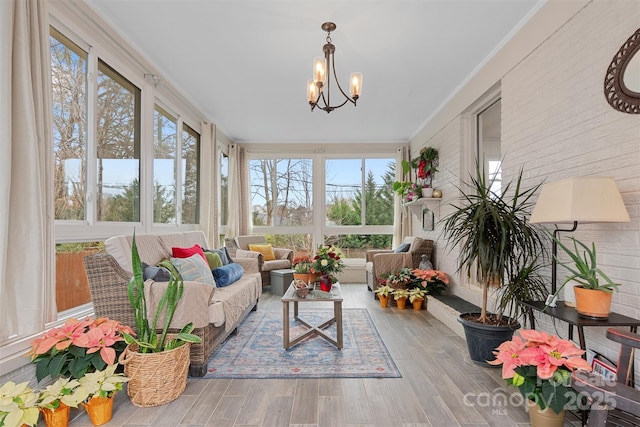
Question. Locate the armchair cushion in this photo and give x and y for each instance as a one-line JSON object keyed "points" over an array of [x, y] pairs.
{"points": [[266, 250], [194, 269], [402, 248], [228, 274]]}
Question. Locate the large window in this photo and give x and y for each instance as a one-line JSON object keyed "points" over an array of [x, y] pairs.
{"points": [[190, 182], [165, 140], [223, 195], [489, 145]]}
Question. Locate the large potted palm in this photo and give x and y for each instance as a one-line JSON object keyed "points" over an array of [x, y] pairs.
{"points": [[497, 243]]}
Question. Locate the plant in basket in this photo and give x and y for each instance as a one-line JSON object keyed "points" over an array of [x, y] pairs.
{"points": [[18, 405], [540, 365], [156, 363], [78, 347]]}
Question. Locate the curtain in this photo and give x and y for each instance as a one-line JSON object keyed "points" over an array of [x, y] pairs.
{"points": [[27, 287], [246, 223], [401, 216], [209, 179], [239, 223]]}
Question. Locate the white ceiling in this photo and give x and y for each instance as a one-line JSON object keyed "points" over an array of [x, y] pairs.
{"points": [[245, 63]]}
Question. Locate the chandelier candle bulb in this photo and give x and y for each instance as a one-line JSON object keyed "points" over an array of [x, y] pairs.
{"points": [[356, 85], [312, 91], [319, 70]]}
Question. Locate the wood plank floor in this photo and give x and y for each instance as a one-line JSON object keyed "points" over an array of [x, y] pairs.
{"points": [[439, 387]]}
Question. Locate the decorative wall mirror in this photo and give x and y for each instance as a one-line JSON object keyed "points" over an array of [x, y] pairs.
{"points": [[622, 82], [428, 220]]}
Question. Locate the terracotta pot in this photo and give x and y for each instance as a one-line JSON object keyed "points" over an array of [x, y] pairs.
{"points": [[401, 302], [99, 409], [325, 283], [593, 303], [58, 417], [546, 418], [417, 304], [384, 300], [302, 276], [313, 277]]}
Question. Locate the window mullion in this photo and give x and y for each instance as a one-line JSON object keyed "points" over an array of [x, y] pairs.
{"points": [[92, 149]]}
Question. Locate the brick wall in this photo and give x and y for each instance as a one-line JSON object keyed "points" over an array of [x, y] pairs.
{"points": [[557, 123]]}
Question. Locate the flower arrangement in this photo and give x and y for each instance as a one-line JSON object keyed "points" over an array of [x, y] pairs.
{"points": [[63, 390], [78, 347], [302, 264], [434, 282], [104, 383], [540, 367], [18, 405], [328, 261]]}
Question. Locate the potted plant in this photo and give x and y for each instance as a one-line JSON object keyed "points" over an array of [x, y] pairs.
{"points": [[383, 293], [406, 189], [18, 405], [400, 296], [56, 400], [426, 165], [302, 267], [78, 347], [593, 298], [99, 388], [327, 262], [495, 241], [150, 352], [540, 367], [433, 282], [416, 297]]}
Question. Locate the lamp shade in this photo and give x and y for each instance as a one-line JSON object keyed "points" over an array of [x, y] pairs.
{"points": [[583, 199]]}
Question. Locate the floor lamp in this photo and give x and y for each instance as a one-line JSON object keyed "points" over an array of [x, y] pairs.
{"points": [[584, 199]]}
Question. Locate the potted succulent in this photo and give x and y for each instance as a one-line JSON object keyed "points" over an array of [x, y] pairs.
{"points": [[99, 388], [540, 367], [416, 297], [18, 405], [383, 293], [593, 298], [426, 165], [496, 242], [150, 352], [400, 296]]}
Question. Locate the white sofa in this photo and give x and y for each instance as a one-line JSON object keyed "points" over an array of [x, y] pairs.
{"points": [[215, 312]]}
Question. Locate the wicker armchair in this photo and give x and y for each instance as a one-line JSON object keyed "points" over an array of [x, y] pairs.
{"points": [[238, 247], [381, 262]]}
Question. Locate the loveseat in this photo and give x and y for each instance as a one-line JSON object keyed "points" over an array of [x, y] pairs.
{"points": [[215, 312]]}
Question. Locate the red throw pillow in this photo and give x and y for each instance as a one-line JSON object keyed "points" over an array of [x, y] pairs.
{"points": [[187, 252]]}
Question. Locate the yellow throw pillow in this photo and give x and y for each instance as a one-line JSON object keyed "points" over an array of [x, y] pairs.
{"points": [[265, 250]]}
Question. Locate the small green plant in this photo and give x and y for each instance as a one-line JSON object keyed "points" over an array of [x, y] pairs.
{"points": [[384, 290], [147, 338], [585, 269]]}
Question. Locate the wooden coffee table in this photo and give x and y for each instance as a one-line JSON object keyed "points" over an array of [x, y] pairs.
{"points": [[316, 297]]}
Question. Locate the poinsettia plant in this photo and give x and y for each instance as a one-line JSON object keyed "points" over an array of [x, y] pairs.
{"points": [[63, 390], [103, 383], [18, 405], [302, 264], [78, 347], [434, 282], [540, 366]]}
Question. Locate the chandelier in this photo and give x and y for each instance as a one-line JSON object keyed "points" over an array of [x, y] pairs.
{"points": [[319, 88]]}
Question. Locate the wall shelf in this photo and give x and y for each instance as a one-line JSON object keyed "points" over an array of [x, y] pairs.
{"points": [[432, 203]]}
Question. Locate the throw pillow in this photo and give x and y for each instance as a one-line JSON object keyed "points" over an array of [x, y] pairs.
{"points": [[223, 254], [187, 252], [265, 250], [402, 248], [158, 274], [194, 269], [228, 274], [213, 259]]}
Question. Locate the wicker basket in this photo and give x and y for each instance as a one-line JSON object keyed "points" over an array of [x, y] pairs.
{"points": [[155, 378]]}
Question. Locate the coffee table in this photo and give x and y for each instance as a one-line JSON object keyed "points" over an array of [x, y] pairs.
{"points": [[315, 296]]}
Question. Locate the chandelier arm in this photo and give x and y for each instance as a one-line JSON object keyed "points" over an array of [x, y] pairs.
{"points": [[335, 77]]}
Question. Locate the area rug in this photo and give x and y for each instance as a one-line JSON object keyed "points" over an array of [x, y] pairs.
{"points": [[257, 351]]}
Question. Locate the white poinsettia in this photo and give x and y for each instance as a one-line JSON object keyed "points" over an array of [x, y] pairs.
{"points": [[65, 390], [18, 405], [102, 383]]}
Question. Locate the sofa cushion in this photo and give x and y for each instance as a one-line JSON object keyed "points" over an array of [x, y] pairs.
{"points": [[415, 244], [227, 274], [264, 249], [187, 252], [404, 247], [277, 264], [194, 269], [223, 254], [213, 259]]}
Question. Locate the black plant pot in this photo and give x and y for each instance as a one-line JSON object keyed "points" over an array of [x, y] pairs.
{"points": [[482, 340]]}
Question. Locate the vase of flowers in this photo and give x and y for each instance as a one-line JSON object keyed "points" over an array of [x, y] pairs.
{"points": [[78, 347], [327, 262], [101, 387], [540, 366], [18, 405]]}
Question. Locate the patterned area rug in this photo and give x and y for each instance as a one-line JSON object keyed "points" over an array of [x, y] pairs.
{"points": [[257, 352]]}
